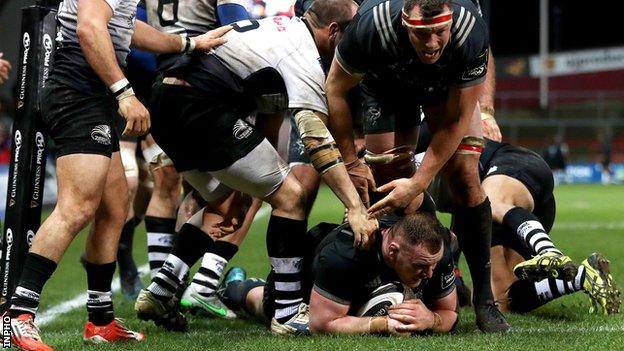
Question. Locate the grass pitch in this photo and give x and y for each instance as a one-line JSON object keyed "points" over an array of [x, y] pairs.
{"points": [[589, 218]]}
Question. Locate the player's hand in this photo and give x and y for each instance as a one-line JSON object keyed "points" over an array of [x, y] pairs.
{"points": [[395, 327], [5, 67], [413, 315], [211, 39], [136, 115], [490, 127], [402, 193], [363, 228], [362, 178]]}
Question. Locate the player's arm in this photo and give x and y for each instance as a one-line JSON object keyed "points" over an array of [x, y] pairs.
{"points": [[97, 47], [327, 160], [337, 86], [330, 317], [486, 103], [150, 39], [446, 136]]}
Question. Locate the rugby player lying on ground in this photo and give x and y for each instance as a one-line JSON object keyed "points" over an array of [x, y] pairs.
{"points": [[402, 285], [528, 270]]}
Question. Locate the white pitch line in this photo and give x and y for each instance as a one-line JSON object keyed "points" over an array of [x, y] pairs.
{"points": [[571, 329], [55, 311], [589, 225]]}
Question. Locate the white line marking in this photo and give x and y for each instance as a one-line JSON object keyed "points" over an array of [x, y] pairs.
{"points": [[78, 301], [589, 225], [571, 329]]}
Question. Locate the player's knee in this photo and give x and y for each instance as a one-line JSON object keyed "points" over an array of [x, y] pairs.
{"points": [[77, 215], [167, 182], [290, 197]]}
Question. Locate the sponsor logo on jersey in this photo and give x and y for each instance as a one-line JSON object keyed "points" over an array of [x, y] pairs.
{"points": [[477, 72], [373, 114], [241, 129], [101, 134], [448, 280]]}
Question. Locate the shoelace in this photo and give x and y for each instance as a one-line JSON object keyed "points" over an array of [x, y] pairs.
{"points": [[28, 328]]}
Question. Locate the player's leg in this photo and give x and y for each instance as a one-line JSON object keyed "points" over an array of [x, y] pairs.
{"points": [[301, 167], [160, 217], [512, 206], [473, 218], [101, 254], [128, 274]]}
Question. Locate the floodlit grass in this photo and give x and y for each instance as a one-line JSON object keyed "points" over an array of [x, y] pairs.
{"points": [[589, 218]]}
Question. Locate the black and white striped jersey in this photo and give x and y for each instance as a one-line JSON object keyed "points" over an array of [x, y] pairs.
{"points": [[377, 45], [70, 66], [283, 46]]}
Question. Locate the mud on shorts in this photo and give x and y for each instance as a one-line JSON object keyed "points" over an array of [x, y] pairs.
{"points": [[80, 122]]}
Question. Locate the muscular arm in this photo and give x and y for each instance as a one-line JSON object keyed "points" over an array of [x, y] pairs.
{"points": [[486, 102], [448, 132], [148, 38], [330, 317], [337, 86], [95, 41], [446, 307]]}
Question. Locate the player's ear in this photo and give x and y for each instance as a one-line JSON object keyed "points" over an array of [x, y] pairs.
{"points": [[393, 249]]}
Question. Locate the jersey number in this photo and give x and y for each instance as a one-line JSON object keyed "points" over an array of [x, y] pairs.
{"points": [[168, 9], [246, 25]]}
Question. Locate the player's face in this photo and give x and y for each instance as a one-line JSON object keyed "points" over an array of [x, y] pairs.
{"points": [[429, 43], [415, 264]]}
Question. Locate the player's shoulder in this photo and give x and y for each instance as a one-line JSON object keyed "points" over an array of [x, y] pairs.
{"points": [[469, 31], [377, 25]]}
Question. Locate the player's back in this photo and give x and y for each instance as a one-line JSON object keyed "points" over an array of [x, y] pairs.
{"points": [[187, 17]]}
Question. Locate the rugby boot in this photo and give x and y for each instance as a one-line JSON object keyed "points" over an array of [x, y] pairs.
{"points": [[600, 286], [197, 303], [490, 319], [114, 331], [164, 313], [299, 324], [547, 265], [25, 334]]}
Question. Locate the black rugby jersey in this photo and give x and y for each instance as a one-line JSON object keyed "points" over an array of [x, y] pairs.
{"points": [[348, 275], [377, 46]]}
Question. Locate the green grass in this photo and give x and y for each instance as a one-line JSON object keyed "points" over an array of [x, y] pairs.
{"points": [[589, 219]]}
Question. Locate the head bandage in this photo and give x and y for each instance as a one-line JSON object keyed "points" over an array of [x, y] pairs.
{"points": [[426, 22]]}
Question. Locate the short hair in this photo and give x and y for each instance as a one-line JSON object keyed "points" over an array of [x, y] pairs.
{"points": [[428, 8], [420, 228], [323, 12]]}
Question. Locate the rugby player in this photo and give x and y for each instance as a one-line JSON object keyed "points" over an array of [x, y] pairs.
{"points": [[404, 284], [429, 53], [528, 270], [86, 88], [201, 104]]}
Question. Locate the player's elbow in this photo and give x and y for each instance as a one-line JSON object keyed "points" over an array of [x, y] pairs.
{"points": [[87, 29]]}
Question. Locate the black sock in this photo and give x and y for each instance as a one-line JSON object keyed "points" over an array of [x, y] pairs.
{"points": [[100, 297], [189, 246], [473, 226], [234, 296], [521, 222], [206, 280], [285, 248], [127, 266], [37, 270], [160, 235]]}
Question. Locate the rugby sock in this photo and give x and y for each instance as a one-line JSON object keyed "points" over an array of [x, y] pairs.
{"points": [[525, 296], [473, 226], [190, 245], [234, 296], [37, 270], [285, 248], [160, 234], [528, 227], [206, 279], [99, 299], [127, 266]]}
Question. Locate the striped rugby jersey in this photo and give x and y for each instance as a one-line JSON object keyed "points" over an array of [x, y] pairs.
{"points": [[377, 46]]}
